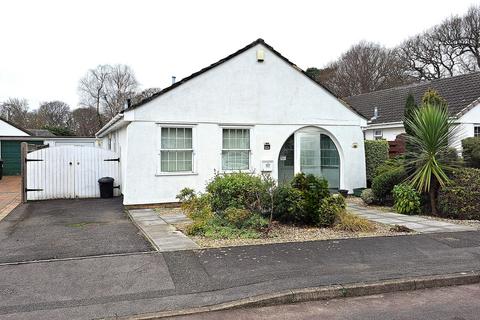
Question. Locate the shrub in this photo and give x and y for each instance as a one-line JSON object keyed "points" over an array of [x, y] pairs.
{"points": [[376, 152], [240, 190], [186, 194], [199, 210], [471, 152], [329, 209], [349, 222], [450, 156], [288, 205], [406, 199], [216, 230], [313, 190], [256, 222], [383, 184], [461, 198], [236, 216], [390, 165], [367, 196]]}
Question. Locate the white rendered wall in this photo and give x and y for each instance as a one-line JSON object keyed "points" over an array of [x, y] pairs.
{"points": [[389, 134], [466, 125], [145, 184], [271, 97]]}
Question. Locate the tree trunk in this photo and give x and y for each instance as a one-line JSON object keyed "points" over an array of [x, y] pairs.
{"points": [[433, 198]]}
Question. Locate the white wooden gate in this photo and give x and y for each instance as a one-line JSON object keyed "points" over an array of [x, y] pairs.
{"points": [[69, 172]]}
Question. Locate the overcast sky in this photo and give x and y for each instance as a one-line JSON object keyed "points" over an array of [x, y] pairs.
{"points": [[47, 46]]}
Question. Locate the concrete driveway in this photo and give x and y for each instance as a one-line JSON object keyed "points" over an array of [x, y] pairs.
{"points": [[10, 194], [68, 228]]}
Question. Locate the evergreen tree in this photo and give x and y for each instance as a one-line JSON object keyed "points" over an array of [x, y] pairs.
{"points": [[410, 107]]}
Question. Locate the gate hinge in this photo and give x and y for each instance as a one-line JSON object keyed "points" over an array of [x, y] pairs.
{"points": [[115, 159], [27, 190], [116, 187], [27, 160]]}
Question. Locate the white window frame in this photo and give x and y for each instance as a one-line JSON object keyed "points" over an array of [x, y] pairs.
{"points": [[476, 126], [377, 137], [159, 150], [250, 153]]}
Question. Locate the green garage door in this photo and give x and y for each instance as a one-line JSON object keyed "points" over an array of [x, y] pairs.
{"points": [[10, 155]]}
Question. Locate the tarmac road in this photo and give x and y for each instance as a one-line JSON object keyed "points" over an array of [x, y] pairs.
{"points": [[449, 303]]}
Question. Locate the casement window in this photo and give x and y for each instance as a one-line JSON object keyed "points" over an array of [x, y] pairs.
{"points": [[176, 150], [378, 134], [476, 130], [236, 149]]}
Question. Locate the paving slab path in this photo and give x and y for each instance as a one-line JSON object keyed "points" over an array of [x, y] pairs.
{"points": [[415, 223], [158, 229]]}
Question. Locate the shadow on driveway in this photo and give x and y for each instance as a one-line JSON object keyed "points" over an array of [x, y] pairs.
{"points": [[68, 228]]}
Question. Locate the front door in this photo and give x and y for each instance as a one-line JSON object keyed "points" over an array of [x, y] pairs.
{"points": [[286, 168]]}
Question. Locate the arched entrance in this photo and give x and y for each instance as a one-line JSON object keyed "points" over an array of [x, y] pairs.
{"points": [[286, 168], [310, 151]]}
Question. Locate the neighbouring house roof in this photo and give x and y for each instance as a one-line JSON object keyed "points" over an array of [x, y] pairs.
{"points": [[41, 133], [461, 93], [15, 126], [251, 45]]}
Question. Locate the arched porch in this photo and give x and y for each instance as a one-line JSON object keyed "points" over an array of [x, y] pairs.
{"points": [[311, 150]]}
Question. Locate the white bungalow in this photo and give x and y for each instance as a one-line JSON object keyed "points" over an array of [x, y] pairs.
{"points": [[253, 111]]}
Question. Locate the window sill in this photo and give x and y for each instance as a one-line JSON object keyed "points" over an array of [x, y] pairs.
{"points": [[236, 171], [166, 174]]}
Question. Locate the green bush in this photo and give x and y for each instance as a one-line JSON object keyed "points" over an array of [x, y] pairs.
{"points": [[314, 189], [390, 164], [236, 216], [406, 199], [471, 152], [450, 156], [299, 202], [383, 184], [234, 223], [376, 152], [367, 196], [461, 198], [240, 190], [218, 229], [330, 208], [197, 208], [288, 204], [186, 194]]}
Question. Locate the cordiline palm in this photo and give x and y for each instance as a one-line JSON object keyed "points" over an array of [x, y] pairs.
{"points": [[431, 129]]}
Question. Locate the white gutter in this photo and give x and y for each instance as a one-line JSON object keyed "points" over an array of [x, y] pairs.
{"points": [[105, 129], [397, 124]]}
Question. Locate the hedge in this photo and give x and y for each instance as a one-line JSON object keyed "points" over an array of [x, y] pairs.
{"points": [[461, 198], [471, 152], [376, 152]]}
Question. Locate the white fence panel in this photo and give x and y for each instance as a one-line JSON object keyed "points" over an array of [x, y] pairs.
{"points": [[69, 172]]}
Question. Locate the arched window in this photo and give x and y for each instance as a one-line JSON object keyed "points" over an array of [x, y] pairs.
{"points": [[319, 156], [312, 152]]}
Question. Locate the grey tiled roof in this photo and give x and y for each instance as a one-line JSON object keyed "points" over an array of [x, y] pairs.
{"points": [[41, 133], [459, 91]]}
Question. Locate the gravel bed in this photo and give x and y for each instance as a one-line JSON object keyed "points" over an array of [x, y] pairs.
{"points": [[289, 233]]}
